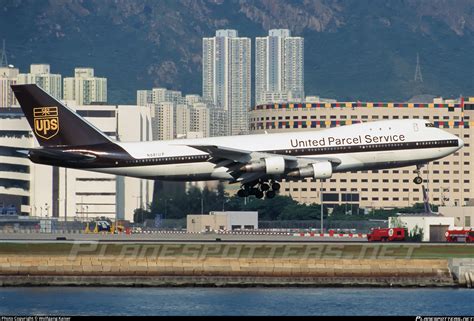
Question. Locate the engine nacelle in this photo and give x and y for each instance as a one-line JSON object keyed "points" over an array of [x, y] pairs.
{"points": [[275, 165], [317, 170], [271, 165]]}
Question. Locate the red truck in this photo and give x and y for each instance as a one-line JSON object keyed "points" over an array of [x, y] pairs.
{"points": [[460, 236], [386, 234]]}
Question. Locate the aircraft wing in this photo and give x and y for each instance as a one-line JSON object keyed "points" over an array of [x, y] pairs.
{"points": [[233, 159], [219, 153]]}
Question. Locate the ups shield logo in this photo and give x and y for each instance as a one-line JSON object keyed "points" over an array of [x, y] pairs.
{"points": [[46, 122]]}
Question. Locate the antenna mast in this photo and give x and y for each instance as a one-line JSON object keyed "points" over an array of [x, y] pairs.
{"points": [[418, 75], [3, 57]]}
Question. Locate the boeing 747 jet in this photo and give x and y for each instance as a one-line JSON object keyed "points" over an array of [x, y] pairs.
{"points": [[257, 162]]}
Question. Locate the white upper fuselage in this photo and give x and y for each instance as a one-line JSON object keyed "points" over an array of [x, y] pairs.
{"points": [[363, 146]]}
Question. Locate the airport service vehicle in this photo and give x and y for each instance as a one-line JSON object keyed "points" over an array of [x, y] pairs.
{"points": [[257, 162], [8, 210], [460, 235], [102, 226], [386, 234]]}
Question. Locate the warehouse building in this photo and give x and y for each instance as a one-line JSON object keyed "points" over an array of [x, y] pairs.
{"points": [[431, 227], [450, 180], [222, 221]]}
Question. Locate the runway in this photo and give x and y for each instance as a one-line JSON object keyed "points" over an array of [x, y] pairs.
{"points": [[172, 237]]}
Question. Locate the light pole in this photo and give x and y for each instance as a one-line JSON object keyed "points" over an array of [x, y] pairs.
{"points": [[322, 206], [223, 204], [65, 198], [65, 215]]}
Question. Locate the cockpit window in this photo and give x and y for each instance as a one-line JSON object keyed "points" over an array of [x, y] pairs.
{"points": [[429, 125]]}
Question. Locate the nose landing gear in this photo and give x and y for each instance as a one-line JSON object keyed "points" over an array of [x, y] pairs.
{"points": [[418, 180]]}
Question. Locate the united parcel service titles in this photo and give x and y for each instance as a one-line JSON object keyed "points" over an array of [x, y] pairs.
{"points": [[344, 141]]}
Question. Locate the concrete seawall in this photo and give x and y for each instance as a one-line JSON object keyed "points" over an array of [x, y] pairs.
{"points": [[227, 264]]}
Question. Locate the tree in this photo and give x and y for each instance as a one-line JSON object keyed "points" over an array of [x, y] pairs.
{"points": [[140, 215]]}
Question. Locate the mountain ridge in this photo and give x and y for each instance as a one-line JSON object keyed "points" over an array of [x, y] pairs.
{"points": [[354, 50]]}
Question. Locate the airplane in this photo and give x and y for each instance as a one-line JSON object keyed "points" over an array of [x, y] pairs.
{"points": [[257, 162]]}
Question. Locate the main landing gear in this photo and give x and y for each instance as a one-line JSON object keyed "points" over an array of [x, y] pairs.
{"points": [[418, 180], [259, 189]]}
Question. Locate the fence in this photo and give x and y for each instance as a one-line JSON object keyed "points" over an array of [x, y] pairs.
{"points": [[359, 226]]}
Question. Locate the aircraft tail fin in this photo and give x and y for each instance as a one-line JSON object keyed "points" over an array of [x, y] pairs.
{"points": [[53, 123]]}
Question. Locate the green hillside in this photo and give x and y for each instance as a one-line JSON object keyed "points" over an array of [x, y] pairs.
{"points": [[354, 50]]}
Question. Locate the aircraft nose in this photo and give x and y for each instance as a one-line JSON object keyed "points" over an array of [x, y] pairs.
{"points": [[460, 142]]}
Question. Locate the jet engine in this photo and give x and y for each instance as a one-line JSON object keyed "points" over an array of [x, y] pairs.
{"points": [[316, 170], [271, 165]]}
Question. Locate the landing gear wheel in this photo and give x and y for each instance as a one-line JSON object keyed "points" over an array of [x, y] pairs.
{"points": [[264, 187], [275, 186], [418, 180], [258, 194], [270, 194], [254, 191], [243, 193]]}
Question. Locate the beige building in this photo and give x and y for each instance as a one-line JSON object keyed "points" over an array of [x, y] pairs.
{"points": [[192, 117], [163, 121], [144, 97], [200, 119], [223, 221], [450, 180], [8, 77], [41, 75], [84, 88], [182, 121], [279, 67], [226, 77], [463, 216]]}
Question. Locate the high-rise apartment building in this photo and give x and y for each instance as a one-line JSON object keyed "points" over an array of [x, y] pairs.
{"points": [[182, 120], [144, 97], [227, 77], [162, 115], [219, 122], [279, 67], [200, 119], [8, 77], [192, 115], [192, 99], [40, 74], [84, 88]]}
